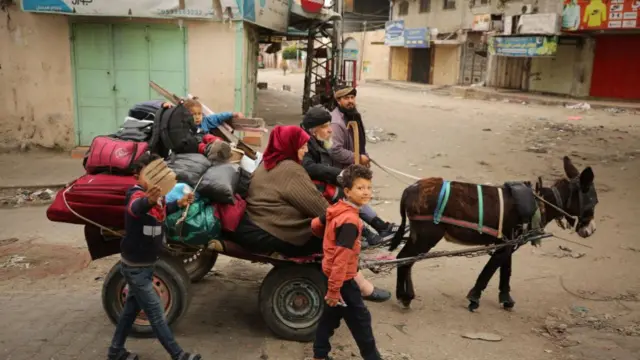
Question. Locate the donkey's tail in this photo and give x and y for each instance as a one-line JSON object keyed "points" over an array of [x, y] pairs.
{"points": [[397, 239]]}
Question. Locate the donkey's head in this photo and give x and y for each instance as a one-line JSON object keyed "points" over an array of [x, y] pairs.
{"points": [[576, 196]]}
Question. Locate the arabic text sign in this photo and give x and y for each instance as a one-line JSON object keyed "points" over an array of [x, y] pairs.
{"points": [[416, 38], [580, 15], [394, 33], [196, 9], [523, 46]]}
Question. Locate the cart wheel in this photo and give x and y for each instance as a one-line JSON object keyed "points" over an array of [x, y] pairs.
{"points": [[292, 300], [171, 283], [199, 264]]}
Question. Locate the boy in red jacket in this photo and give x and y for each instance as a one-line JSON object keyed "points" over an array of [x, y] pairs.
{"points": [[342, 231]]}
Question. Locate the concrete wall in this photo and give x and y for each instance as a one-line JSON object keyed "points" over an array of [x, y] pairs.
{"points": [[444, 20], [36, 86], [446, 67], [374, 55], [569, 72], [211, 71], [36, 94], [514, 7]]}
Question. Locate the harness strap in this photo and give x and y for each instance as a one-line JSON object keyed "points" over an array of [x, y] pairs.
{"points": [[501, 218], [443, 198], [480, 209], [461, 223]]}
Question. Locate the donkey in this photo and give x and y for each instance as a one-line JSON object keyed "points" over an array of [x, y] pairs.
{"points": [[474, 210]]}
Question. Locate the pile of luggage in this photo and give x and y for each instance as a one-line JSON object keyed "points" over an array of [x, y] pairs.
{"points": [[98, 197]]}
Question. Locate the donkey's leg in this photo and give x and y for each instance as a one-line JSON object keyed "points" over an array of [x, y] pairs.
{"points": [[505, 278], [483, 279], [424, 237], [403, 272]]}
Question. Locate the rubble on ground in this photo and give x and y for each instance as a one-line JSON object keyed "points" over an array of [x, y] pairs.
{"points": [[377, 135], [19, 197], [15, 261]]}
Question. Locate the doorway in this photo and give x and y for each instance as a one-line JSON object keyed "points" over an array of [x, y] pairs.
{"points": [[420, 66]]}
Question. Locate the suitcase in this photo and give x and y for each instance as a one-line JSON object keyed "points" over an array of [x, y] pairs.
{"points": [[113, 156], [99, 198]]}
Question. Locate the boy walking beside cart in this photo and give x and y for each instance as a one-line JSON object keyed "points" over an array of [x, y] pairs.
{"points": [[140, 248], [342, 230]]}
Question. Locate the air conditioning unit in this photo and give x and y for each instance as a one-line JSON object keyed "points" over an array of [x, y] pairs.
{"points": [[529, 9]]}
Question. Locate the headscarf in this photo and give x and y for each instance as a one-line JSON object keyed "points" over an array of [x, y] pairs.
{"points": [[284, 143]]}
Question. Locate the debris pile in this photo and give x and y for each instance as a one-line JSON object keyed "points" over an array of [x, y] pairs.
{"points": [[15, 261], [19, 197], [377, 135]]}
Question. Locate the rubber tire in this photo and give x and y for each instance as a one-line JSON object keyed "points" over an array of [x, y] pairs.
{"points": [[272, 282], [172, 272], [205, 263]]}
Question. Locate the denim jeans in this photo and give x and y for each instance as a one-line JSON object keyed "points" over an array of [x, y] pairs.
{"points": [[142, 296], [367, 214]]}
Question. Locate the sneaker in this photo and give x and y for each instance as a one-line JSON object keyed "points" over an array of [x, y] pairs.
{"points": [[370, 237], [378, 295], [389, 232]]}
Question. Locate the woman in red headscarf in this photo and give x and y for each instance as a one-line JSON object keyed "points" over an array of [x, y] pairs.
{"points": [[282, 199], [281, 203]]}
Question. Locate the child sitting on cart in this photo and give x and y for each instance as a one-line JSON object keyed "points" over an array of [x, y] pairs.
{"points": [[140, 248], [342, 231]]}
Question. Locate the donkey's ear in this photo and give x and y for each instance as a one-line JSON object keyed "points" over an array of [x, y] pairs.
{"points": [[586, 178], [569, 169]]}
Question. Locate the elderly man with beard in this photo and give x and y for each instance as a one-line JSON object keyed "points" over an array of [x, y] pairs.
{"points": [[325, 175], [325, 172]]}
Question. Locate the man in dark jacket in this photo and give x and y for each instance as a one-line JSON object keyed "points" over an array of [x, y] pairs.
{"points": [[325, 173]]}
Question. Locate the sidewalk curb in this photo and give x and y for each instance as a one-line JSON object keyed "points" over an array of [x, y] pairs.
{"points": [[471, 93], [46, 186]]}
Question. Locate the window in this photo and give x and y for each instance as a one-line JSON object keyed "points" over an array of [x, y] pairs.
{"points": [[449, 4], [485, 2], [425, 6], [403, 8]]}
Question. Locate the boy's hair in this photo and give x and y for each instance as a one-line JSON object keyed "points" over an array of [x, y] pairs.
{"points": [[354, 172], [144, 160], [192, 103]]}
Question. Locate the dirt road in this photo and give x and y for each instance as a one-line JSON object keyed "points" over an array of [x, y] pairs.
{"points": [[577, 303]]}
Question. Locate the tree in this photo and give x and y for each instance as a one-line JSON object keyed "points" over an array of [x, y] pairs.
{"points": [[290, 53]]}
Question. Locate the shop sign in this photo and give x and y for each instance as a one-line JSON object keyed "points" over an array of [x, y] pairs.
{"points": [[584, 15], [194, 9], [481, 22], [270, 14], [523, 46], [416, 38], [394, 33]]}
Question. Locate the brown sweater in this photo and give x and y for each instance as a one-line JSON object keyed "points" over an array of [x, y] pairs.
{"points": [[283, 202]]}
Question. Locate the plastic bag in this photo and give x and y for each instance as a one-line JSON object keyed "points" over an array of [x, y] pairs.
{"points": [[231, 214], [199, 227], [250, 165], [219, 183], [189, 167], [179, 191]]}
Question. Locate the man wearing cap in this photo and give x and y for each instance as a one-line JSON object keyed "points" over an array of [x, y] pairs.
{"points": [[325, 172], [343, 149]]}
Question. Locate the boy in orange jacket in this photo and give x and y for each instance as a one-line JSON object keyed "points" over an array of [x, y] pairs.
{"points": [[341, 228]]}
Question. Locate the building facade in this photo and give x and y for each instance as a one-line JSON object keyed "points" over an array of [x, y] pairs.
{"points": [[71, 72]]}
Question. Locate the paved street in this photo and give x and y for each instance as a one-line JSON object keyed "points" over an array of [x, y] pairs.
{"points": [[53, 310]]}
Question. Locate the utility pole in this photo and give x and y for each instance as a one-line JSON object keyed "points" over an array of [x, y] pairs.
{"points": [[338, 38], [364, 42]]}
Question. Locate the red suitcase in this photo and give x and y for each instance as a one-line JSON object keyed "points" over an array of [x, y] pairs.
{"points": [[112, 155], [99, 198]]}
